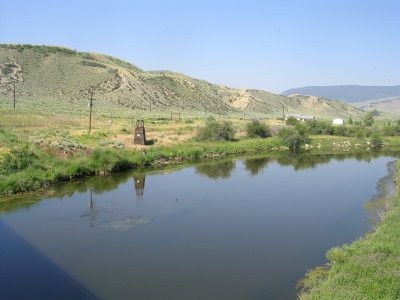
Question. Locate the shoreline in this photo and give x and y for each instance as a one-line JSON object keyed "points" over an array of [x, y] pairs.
{"points": [[106, 161], [366, 268]]}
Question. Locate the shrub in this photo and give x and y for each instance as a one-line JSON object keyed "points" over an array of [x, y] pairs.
{"points": [[376, 140], [257, 129], [319, 127], [293, 138], [342, 131], [291, 121], [391, 130], [215, 131], [369, 119], [18, 159], [360, 134], [350, 121]]}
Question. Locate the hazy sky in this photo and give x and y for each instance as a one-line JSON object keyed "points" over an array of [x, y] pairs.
{"points": [[271, 45]]}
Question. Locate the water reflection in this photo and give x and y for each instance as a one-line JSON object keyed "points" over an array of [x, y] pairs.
{"points": [[217, 170], [139, 180], [214, 170], [380, 203], [255, 165], [91, 213]]}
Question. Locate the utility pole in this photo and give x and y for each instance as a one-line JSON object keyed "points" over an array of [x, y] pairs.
{"points": [[283, 112], [90, 109], [150, 104], [14, 94]]}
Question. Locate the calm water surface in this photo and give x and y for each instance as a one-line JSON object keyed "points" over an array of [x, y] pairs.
{"points": [[245, 229]]}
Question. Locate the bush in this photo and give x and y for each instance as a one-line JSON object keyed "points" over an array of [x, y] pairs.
{"points": [[257, 129], [391, 130], [293, 138], [360, 134], [18, 159], [369, 119], [376, 140], [343, 131], [215, 131], [319, 127], [291, 121]]}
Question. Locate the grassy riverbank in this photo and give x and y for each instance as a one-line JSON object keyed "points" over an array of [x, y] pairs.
{"points": [[29, 168], [366, 269], [39, 150]]}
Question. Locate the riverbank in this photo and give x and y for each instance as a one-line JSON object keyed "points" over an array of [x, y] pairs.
{"points": [[34, 167], [367, 268]]}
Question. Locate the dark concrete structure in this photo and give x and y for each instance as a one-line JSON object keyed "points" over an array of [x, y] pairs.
{"points": [[140, 133]]}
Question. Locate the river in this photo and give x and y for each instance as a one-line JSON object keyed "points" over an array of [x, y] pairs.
{"points": [[233, 229]]}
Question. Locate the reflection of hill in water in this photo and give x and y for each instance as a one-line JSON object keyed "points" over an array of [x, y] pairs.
{"points": [[213, 170]]}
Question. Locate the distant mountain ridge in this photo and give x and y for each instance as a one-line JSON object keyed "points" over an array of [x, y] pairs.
{"points": [[347, 93], [59, 80]]}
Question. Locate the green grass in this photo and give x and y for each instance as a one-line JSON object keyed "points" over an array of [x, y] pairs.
{"points": [[368, 268], [37, 169]]}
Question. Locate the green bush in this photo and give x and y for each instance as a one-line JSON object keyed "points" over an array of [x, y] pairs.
{"points": [[391, 130], [294, 138], [360, 134], [18, 159], [258, 129], [343, 131], [350, 121], [216, 131], [291, 121], [369, 119], [319, 127], [376, 140]]}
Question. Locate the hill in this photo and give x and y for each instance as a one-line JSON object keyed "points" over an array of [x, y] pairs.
{"points": [[390, 105], [347, 93], [59, 80]]}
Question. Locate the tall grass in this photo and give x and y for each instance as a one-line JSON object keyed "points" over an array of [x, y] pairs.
{"points": [[24, 170]]}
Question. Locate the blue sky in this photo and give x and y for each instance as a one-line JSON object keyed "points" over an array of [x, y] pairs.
{"points": [[272, 45]]}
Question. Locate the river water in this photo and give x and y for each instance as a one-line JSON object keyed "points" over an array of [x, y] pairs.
{"points": [[234, 229]]}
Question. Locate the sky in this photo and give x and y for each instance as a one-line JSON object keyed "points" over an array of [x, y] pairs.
{"points": [[271, 45]]}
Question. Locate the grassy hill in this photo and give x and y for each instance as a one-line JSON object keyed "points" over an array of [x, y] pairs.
{"points": [[58, 80], [390, 105], [347, 93]]}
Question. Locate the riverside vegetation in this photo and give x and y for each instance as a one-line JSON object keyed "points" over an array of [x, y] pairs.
{"points": [[34, 154]]}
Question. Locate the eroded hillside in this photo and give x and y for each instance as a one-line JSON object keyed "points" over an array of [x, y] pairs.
{"points": [[57, 79]]}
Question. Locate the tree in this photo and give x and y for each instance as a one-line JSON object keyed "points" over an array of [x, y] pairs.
{"points": [[350, 121], [369, 119], [215, 131], [258, 129], [293, 138], [376, 140], [291, 121]]}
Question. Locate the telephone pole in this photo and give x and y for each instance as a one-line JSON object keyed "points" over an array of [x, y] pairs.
{"points": [[90, 109], [14, 94]]}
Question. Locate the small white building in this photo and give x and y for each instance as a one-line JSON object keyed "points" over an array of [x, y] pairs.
{"points": [[338, 121], [300, 117]]}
